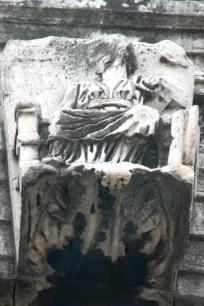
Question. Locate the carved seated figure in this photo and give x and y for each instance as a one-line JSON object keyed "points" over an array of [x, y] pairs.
{"points": [[109, 125]]}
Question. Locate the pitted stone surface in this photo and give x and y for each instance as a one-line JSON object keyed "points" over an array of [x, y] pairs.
{"points": [[99, 192], [27, 20]]}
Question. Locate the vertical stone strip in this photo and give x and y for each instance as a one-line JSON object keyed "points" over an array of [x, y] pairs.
{"points": [[28, 140]]}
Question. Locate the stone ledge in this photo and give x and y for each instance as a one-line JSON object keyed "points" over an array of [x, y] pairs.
{"points": [[103, 18], [187, 7]]}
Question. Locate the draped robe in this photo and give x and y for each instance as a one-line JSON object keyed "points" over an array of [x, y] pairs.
{"points": [[98, 135]]}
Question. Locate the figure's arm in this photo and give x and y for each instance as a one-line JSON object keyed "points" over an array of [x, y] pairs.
{"points": [[158, 93]]}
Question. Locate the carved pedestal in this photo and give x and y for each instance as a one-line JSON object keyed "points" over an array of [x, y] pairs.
{"points": [[127, 237]]}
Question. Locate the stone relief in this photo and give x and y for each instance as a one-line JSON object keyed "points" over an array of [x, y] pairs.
{"points": [[104, 125], [108, 201]]}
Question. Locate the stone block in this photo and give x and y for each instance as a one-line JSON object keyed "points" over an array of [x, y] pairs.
{"points": [[5, 209], [194, 259], [191, 285], [200, 181], [6, 240], [197, 216], [201, 149], [7, 268]]}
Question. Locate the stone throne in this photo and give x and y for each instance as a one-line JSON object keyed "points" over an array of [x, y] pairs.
{"points": [[106, 207]]}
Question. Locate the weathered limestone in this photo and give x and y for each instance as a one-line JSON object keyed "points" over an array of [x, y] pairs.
{"points": [[78, 225], [116, 185], [151, 21]]}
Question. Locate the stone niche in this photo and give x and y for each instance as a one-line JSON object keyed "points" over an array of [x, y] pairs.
{"points": [[102, 149]]}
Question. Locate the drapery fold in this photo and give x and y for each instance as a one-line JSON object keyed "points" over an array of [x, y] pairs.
{"points": [[93, 126]]}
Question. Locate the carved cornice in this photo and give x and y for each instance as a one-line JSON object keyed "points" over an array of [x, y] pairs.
{"points": [[104, 18]]}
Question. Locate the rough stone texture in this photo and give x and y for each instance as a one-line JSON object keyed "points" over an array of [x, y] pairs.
{"points": [[152, 21], [116, 235], [188, 301], [7, 248], [47, 67], [104, 92], [7, 292], [190, 279], [121, 5], [181, 22], [193, 260], [192, 285], [197, 221]]}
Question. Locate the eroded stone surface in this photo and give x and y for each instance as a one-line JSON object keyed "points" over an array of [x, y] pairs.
{"points": [[77, 225], [192, 285], [47, 67], [113, 188], [20, 22]]}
